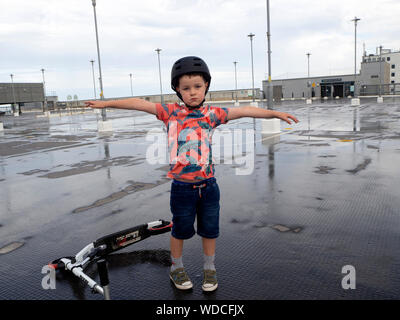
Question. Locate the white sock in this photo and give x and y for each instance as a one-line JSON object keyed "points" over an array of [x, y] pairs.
{"points": [[209, 262], [176, 263]]}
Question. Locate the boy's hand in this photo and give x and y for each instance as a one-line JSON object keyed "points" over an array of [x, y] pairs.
{"points": [[286, 117], [96, 104]]}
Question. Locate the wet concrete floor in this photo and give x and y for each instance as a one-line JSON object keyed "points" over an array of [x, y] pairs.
{"points": [[322, 195]]}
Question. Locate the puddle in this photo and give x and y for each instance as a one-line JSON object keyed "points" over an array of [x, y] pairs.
{"points": [[118, 260], [244, 221], [19, 147], [32, 172], [324, 169], [11, 247], [278, 227], [89, 166], [360, 167], [320, 145], [283, 228], [132, 188]]}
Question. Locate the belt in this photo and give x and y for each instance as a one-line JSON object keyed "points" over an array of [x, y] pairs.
{"points": [[195, 185]]}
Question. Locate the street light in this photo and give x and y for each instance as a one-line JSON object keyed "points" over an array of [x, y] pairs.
{"points": [[308, 72], [251, 35], [235, 63], [44, 92], [308, 68], [94, 81], [159, 70], [355, 52], [103, 110], [380, 71], [15, 108], [269, 93], [130, 75]]}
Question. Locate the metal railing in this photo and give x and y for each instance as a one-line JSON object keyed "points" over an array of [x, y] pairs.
{"points": [[376, 90]]}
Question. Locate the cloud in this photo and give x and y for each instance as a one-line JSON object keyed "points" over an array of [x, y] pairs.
{"points": [[59, 36]]}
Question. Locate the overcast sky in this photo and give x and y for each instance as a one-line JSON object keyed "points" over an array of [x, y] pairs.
{"points": [[59, 36]]}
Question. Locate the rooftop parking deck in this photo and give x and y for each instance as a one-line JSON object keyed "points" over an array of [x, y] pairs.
{"points": [[296, 207]]}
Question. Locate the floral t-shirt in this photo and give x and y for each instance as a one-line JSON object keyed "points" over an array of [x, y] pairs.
{"points": [[189, 139]]}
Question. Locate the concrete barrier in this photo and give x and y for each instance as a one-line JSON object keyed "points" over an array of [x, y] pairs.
{"points": [[270, 139], [269, 126], [254, 104], [104, 126], [355, 102]]}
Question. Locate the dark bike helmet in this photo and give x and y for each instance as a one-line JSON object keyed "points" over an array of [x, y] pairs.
{"points": [[189, 65]]}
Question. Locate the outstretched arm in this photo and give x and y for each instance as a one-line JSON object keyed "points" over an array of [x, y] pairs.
{"points": [[130, 104], [253, 112]]}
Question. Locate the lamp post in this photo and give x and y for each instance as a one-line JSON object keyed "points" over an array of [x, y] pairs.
{"points": [[130, 75], [380, 71], [251, 35], [159, 71], [380, 98], [269, 93], [235, 63], [103, 110], [308, 73], [15, 108], [94, 81], [355, 52], [44, 92]]}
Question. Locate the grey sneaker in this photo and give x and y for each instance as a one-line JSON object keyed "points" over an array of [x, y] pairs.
{"points": [[210, 282], [180, 279]]}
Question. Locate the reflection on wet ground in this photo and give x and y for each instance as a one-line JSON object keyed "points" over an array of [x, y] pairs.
{"points": [[322, 194]]}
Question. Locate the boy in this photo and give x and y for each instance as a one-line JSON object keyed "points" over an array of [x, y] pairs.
{"points": [[194, 190]]}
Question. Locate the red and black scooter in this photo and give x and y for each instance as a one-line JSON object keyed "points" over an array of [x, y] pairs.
{"points": [[97, 250]]}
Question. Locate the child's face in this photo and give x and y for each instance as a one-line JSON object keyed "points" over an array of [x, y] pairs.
{"points": [[192, 89]]}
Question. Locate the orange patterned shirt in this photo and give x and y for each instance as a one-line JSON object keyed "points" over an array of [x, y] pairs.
{"points": [[189, 139]]}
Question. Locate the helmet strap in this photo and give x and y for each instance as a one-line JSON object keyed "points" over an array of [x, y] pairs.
{"points": [[194, 107], [190, 107]]}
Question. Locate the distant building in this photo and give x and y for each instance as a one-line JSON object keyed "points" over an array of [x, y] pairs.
{"points": [[19, 94], [212, 96], [373, 73], [389, 56]]}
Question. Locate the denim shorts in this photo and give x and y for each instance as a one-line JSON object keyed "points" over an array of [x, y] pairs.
{"points": [[189, 200]]}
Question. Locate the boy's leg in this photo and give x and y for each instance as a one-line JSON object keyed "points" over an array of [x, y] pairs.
{"points": [[209, 253], [183, 208], [177, 273], [176, 246], [210, 282], [209, 246], [208, 229]]}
